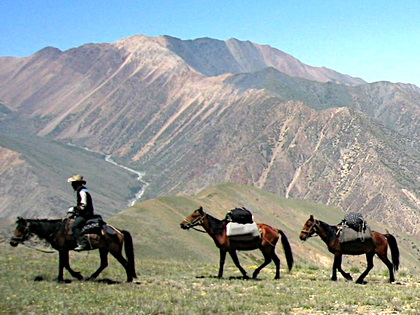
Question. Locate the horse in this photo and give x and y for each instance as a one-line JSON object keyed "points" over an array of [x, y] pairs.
{"points": [[377, 245], [57, 232], [217, 230]]}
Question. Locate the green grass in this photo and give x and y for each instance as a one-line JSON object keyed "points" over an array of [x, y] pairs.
{"points": [[188, 288]]}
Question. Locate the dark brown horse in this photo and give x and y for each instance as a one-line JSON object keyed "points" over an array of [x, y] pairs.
{"points": [[58, 234], [217, 230], [377, 245]]}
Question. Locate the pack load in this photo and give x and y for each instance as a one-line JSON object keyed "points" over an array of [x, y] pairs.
{"points": [[240, 215], [241, 225], [353, 227], [355, 221]]}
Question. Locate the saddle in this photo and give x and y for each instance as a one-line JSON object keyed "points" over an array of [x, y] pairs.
{"points": [[95, 225], [347, 234]]}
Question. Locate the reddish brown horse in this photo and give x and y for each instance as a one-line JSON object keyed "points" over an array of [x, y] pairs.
{"points": [[56, 232], [377, 245], [217, 230]]}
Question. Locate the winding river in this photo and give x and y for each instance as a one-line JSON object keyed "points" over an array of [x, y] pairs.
{"points": [[140, 193]]}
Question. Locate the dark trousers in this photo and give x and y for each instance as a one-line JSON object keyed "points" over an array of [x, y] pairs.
{"points": [[78, 224]]}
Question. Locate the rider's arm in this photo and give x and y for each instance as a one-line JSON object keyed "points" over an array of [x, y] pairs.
{"points": [[83, 200]]}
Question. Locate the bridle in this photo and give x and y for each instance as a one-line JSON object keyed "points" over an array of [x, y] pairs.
{"points": [[25, 235], [311, 232], [197, 221]]}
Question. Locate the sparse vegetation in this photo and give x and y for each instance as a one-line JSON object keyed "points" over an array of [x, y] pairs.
{"points": [[166, 287]]}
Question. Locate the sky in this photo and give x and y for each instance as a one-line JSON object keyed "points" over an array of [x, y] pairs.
{"points": [[370, 39]]}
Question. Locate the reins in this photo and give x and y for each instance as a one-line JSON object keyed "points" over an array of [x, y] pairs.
{"points": [[40, 250]]}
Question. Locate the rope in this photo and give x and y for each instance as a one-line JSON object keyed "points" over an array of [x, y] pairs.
{"points": [[40, 250]]}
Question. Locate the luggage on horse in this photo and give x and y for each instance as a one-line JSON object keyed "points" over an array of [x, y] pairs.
{"points": [[353, 228], [240, 215], [241, 225], [355, 221], [350, 235]]}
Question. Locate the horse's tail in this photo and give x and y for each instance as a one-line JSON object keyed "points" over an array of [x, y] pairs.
{"points": [[287, 249], [395, 252], [129, 253]]}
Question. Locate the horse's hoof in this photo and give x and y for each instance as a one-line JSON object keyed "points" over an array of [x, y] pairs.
{"points": [[78, 276], [63, 281]]}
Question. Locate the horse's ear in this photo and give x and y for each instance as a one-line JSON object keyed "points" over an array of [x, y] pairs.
{"points": [[200, 209], [311, 217]]}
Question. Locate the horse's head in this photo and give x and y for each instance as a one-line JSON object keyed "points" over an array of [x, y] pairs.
{"points": [[21, 232], [309, 228], [194, 219]]}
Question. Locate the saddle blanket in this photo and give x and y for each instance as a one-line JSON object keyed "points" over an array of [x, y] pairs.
{"points": [[236, 229], [347, 234]]}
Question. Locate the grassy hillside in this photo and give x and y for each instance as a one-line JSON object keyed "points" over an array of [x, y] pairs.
{"points": [[176, 268], [154, 225], [187, 288]]}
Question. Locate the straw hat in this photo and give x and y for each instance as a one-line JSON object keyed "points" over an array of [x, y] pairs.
{"points": [[76, 178]]}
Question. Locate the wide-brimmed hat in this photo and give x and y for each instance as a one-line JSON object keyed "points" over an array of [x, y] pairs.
{"points": [[76, 178]]}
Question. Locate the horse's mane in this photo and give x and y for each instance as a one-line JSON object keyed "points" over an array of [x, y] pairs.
{"points": [[44, 228], [215, 224], [332, 229], [45, 220]]}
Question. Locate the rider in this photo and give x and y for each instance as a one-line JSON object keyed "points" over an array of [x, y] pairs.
{"points": [[83, 210]]}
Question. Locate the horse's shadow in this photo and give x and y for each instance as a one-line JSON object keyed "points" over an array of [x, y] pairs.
{"points": [[104, 280], [229, 278]]}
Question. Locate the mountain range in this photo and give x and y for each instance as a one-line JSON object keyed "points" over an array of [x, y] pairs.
{"points": [[190, 114]]}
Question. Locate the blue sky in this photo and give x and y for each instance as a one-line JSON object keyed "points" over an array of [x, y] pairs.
{"points": [[374, 40]]}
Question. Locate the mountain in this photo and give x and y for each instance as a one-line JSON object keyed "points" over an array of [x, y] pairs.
{"points": [[190, 114]]}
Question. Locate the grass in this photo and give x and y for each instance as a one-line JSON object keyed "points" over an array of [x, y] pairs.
{"points": [[166, 287]]}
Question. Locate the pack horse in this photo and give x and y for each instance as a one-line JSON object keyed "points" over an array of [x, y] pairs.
{"points": [[58, 234], [266, 242], [377, 244]]}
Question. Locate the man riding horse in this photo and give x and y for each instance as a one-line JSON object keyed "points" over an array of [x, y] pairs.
{"points": [[82, 212]]}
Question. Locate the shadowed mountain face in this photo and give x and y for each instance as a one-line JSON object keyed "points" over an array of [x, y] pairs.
{"points": [[195, 113]]}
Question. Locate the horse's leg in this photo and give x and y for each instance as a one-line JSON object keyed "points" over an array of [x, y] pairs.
{"points": [[221, 262], [337, 265], [267, 260], [118, 256], [103, 253], [65, 263], [237, 264], [346, 275], [61, 262], [390, 266], [369, 259], [277, 263]]}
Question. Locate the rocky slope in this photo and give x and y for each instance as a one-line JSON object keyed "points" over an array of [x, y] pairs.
{"points": [[195, 113]]}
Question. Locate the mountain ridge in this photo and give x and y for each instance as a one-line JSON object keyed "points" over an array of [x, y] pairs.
{"points": [[190, 123]]}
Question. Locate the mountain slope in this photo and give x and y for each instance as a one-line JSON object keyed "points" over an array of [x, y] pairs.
{"points": [[195, 113], [34, 174]]}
